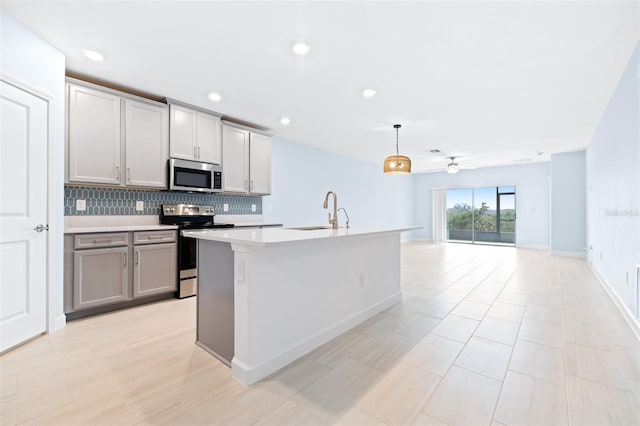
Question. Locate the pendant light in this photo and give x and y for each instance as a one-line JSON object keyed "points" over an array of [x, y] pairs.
{"points": [[397, 164]]}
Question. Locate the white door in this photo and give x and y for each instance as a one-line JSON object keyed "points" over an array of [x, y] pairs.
{"points": [[23, 206]]}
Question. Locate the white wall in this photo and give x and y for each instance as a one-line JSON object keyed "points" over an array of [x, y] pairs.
{"points": [[302, 175], [613, 189], [32, 61], [532, 197], [568, 216]]}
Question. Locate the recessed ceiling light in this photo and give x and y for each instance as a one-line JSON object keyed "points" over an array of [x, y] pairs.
{"points": [[368, 93], [285, 121], [300, 48], [93, 55], [215, 97]]}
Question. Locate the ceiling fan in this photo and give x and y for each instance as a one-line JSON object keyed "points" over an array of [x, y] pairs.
{"points": [[454, 167]]}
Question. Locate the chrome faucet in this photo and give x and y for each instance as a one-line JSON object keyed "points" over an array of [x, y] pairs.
{"points": [[333, 221]]}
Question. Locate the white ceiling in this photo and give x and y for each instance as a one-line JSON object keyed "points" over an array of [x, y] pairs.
{"points": [[491, 82]]}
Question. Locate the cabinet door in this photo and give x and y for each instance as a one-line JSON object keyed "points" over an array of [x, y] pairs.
{"points": [[260, 164], [100, 277], [208, 136], [93, 136], [235, 156], [182, 133], [154, 269], [145, 144]]}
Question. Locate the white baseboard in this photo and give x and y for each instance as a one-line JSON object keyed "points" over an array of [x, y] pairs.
{"points": [[633, 322], [532, 247], [60, 322], [568, 254], [248, 374]]}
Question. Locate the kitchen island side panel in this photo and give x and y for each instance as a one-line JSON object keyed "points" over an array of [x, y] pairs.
{"points": [[215, 304], [291, 299]]}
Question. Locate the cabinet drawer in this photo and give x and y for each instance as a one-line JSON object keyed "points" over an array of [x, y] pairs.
{"points": [[112, 239], [154, 237]]}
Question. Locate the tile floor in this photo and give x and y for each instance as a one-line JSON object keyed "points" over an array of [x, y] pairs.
{"points": [[484, 336]]}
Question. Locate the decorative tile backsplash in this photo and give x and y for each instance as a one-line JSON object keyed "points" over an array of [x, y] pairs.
{"points": [[116, 201]]}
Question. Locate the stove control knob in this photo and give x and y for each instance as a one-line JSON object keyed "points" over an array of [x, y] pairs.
{"points": [[172, 210]]}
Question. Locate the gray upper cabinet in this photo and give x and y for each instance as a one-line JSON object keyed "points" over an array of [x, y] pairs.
{"points": [[115, 138], [235, 156], [194, 135], [259, 164], [246, 158], [146, 144], [93, 136]]}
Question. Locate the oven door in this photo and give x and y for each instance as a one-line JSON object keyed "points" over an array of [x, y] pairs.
{"points": [[188, 257]]}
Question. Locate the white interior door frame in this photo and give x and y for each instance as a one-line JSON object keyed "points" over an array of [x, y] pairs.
{"points": [[54, 233]]}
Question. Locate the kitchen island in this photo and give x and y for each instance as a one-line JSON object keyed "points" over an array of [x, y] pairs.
{"points": [[268, 296]]}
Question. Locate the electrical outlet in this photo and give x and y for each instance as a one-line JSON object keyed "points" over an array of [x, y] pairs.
{"points": [[225, 207], [139, 206], [81, 205], [240, 272], [361, 279], [253, 208]]}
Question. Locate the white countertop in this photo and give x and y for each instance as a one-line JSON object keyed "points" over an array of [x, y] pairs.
{"points": [[116, 228], [280, 236], [91, 224], [249, 224]]}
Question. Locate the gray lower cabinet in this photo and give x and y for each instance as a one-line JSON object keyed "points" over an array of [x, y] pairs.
{"points": [[100, 277], [154, 269], [118, 268]]}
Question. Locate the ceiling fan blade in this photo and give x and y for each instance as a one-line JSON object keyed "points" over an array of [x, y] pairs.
{"points": [[468, 167]]}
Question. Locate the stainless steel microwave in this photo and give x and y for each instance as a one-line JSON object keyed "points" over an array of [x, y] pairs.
{"points": [[194, 176]]}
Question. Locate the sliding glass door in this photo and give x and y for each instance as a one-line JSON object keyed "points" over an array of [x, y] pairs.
{"points": [[481, 215]]}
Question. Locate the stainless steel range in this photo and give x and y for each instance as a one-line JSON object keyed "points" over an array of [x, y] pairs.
{"points": [[189, 216]]}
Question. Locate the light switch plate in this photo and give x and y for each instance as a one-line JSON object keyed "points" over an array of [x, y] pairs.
{"points": [[225, 207], [253, 208], [139, 206], [81, 205]]}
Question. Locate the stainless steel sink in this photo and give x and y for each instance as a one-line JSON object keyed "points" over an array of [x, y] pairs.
{"points": [[310, 228]]}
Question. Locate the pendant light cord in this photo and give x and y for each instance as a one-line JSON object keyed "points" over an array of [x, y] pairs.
{"points": [[397, 127]]}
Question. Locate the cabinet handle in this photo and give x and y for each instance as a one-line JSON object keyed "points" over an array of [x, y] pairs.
{"points": [[118, 173], [195, 154], [245, 184], [124, 256], [128, 175], [198, 153], [155, 237], [251, 184], [137, 257], [102, 241]]}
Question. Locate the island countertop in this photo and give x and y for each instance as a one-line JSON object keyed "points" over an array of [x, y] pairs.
{"points": [[266, 237]]}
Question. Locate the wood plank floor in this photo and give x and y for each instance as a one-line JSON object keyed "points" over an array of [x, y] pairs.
{"points": [[484, 336]]}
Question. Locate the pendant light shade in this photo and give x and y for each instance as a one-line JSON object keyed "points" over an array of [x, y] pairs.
{"points": [[397, 164]]}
